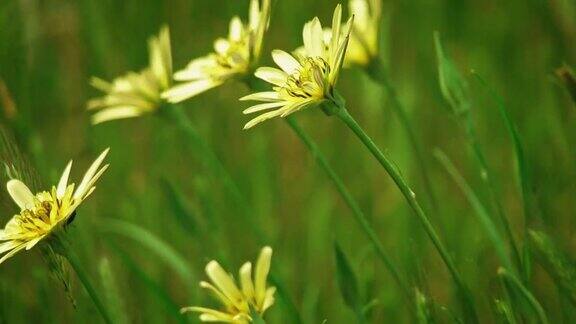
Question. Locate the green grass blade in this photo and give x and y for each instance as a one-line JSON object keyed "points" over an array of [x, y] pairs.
{"points": [[147, 239], [480, 210], [556, 262], [513, 282], [348, 283], [157, 291], [112, 295]]}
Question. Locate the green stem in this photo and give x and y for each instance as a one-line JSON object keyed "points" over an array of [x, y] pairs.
{"points": [[83, 277], [214, 164], [510, 278], [487, 179], [352, 204], [378, 73], [410, 197]]}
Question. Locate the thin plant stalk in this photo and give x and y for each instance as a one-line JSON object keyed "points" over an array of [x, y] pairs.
{"points": [[536, 306], [219, 170], [350, 201], [84, 279], [213, 162], [342, 113], [357, 212], [378, 74], [485, 174]]}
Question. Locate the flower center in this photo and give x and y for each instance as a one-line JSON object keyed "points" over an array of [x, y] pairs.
{"points": [[36, 219], [309, 81], [236, 57]]}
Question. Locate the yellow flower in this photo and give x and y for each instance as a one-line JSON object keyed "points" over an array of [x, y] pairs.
{"points": [[306, 79], [136, 93], [43, 213], [232, 57], [252, 295], [364, 39]]}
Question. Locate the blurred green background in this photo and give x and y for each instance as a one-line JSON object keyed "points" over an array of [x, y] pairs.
{"points": [[49, 50]]}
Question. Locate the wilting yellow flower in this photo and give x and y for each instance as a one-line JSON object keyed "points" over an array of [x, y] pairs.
{"points": [[47, 211], [364, 39], [232, 57], [306, 79], [252, 295], [136, 93]]}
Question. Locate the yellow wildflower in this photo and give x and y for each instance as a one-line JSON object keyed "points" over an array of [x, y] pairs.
{"points": [[136, 93], [364, 39], [232, 57], [306, 80], [47, 211], [252, 295]]}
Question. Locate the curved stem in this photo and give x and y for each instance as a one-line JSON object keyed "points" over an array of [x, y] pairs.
{"points": [[377, 72], [83, 277], [410, 197], [352, 204]]}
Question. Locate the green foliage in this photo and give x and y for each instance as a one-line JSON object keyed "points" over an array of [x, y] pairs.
{"points": [[188, 185]]}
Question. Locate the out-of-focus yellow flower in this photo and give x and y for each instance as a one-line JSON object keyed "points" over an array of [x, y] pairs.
{"points": [[47, 211], [232, 57], [364, 39], [306, 79], [239, 302], [136, 93]]}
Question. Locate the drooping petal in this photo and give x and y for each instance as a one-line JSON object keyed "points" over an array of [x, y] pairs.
{"points": [[187, 90], [20, 193], [120, 112], [12, 252], [257, 120], [272, 75], [264, 106], [267, 96]]}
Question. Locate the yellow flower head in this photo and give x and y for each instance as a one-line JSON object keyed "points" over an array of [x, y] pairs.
{"points": [[232, 57], [136, 93], [252, 295], [364, 39], [306, 79], [43, 213]]}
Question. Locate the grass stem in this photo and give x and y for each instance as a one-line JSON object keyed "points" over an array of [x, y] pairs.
{"points": [[410, 197]]}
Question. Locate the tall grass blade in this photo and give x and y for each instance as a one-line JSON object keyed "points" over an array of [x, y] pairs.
{"points": [[112, 295], [147, 239], [556, 262], [157, 291], [480, 210], [514, 283], [348, 283]]}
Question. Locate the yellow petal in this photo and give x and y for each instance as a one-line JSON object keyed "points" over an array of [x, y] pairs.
{"points": [[261, 275], [20, 193], [91, 175], [271, 75], [246, 280], [63, 183], [224, 282], [120, 112], [285, 61], [187, 90]]}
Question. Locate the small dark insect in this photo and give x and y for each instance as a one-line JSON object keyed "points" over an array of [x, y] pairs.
{"points": [[71, 218]]}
